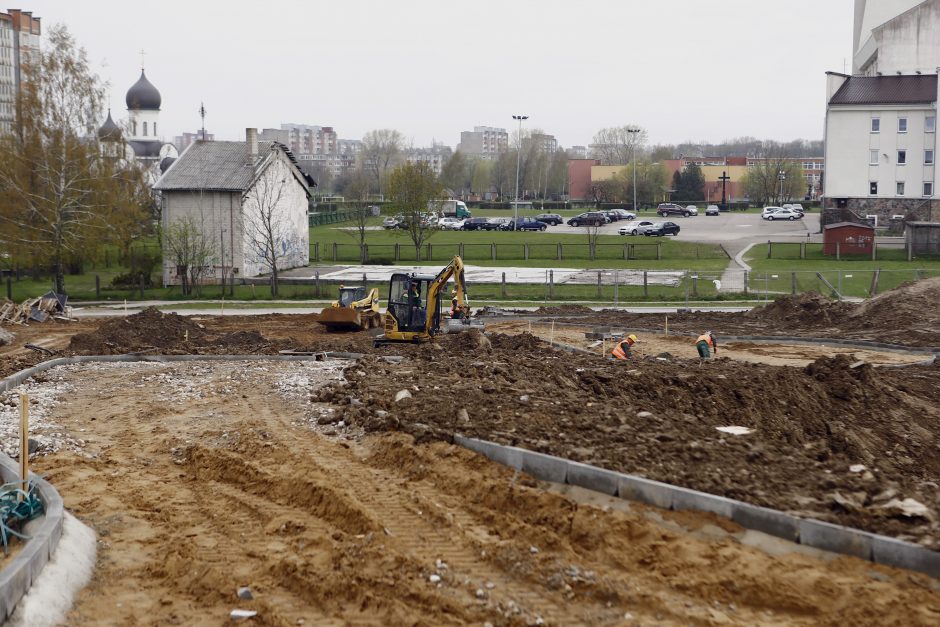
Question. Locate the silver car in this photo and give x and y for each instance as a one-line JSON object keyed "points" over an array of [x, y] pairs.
{"points": [[636, 227]]}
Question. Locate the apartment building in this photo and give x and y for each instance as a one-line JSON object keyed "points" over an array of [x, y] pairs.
{"points": [[183, 141], [486, 142], [304, 139], [20, 34]]}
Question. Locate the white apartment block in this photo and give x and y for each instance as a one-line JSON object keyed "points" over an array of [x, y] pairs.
{"points": [[435, 156], [304, 139], [486, 142], [880, 150], [19, 43]]}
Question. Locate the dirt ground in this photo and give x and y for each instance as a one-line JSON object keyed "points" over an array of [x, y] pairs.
{"points": [[651, 344], [829, 439], [200, 478]]}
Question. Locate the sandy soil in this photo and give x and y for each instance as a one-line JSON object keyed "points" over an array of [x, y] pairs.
{"points": [[650, 344], [201, 478]]}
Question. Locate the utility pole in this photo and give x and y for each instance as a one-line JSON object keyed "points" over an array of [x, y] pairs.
{"points": [[515, 219], [633, 132]]}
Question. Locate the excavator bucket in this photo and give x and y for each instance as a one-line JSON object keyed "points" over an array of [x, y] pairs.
{"points": [[348, 319]]}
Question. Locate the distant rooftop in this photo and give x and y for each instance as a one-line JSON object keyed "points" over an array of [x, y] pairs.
{"points": [[898, 89]]}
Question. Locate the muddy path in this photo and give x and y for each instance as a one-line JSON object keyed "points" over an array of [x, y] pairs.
{"points": [[201, 478]]}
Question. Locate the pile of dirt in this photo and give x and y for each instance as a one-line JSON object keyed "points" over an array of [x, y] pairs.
{"points": [[806, 309], [834, 429], [563, 310], [152, 331], [914, 301]]}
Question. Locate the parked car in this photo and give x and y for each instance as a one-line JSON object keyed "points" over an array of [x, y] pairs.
{"points": [[795, 206], [672, 209], [712, 210], [390, 223], [611, 215], [769, 210], [784, 214], [451, 224], [692, 209], [662, 228], [623, 214], [636, 227], [476, 224], [590, 218], [550, 218], [525, 224], [495, 224]]}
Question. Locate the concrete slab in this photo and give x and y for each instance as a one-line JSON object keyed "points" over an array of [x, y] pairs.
{"points": [[835, 538], [891, 552], [645, 491], [767, 520], [685, 499], [14, 582], [592, 478], [545, 467]]}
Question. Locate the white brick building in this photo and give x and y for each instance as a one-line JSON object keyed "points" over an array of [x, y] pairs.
{"points": [[220, 186]]}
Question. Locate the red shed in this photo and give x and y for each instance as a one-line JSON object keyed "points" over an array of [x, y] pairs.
{"points": [[852, 239]]}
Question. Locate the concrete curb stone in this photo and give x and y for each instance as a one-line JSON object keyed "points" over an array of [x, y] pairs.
{"points": [[836, 538], [770, 521], [545, 467], [891, 552], [593, 478], [645, 491], [685, 499]]}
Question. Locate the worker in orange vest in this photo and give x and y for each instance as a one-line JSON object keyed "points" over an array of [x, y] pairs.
{"points": [[622, 349], [705, 342]]}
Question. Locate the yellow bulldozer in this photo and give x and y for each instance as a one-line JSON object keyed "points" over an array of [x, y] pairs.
{"points": [[354, 311]]}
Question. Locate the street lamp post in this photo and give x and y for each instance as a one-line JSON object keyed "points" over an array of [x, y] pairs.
{"points": [[782, 176], [515, 219], [633, 132]]}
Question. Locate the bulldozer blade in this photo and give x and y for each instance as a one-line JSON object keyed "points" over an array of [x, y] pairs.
{"points": [[345, 319]]}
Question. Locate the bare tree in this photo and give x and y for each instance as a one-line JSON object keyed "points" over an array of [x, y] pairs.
{"points": [[617, 145], [56, 183], [772, 177], [267, 221], [381, 149], [411, 186], [190, 250], [358, 191]]}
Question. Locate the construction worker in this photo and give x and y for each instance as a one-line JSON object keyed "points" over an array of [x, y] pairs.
{"points": [[456, 312], [705, 342], [622, 349]]}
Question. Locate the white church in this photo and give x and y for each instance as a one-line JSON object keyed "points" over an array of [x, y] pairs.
{"points": [[142, 142]]}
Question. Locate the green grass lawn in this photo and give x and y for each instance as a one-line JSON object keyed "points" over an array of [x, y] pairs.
{"points": [[853, 274]]}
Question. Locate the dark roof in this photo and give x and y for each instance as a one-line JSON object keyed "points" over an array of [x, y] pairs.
{"points": [[143, 95], [839, 225], [109, 131], [903, 89], [219, 166], [165, 163], [144, 149]]}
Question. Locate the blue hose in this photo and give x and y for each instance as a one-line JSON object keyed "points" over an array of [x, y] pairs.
{"points": [[17, 507]]}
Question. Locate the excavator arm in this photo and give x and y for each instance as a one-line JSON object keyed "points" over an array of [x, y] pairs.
{"points": [[454, 269]]}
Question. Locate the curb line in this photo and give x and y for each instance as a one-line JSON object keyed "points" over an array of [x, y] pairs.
{"points": [[806, 531]]}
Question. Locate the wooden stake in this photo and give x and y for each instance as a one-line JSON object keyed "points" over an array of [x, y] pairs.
{"points": [[551, 338], [667, 326], [24, 443]]}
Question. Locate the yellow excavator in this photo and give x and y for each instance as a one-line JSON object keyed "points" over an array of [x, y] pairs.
{"points": [[354, 311], [414, 305]]}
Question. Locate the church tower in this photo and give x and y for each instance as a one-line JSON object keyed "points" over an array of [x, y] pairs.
{"points": [[143, 110]]}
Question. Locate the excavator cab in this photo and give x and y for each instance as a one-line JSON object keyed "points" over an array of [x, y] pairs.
{"points": [[408, 306]]}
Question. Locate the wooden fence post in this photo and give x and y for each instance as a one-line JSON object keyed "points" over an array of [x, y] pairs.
{"points": [[525, 251], [793, 283], [694, 285], [397, 252], [316, 280], [837, 251], [874, 250], [598, 283], [746, 279], [97, 287], [551, 284], [802, 250], [559, 253], [334, 251], [493, 251], [770, 248], [659, 251], [873, 290], [646, 291], [626, 254], [460, 249], [503, 288]]}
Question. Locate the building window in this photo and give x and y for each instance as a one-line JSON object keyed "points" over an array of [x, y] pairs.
{"points": [[928, 189], [134, 125], [902, 125], [872, 157], [873, 188], [930, 124], [876, 125], [928, 157], [154, 129], [145, 129], [900, 188], [902, 157]]}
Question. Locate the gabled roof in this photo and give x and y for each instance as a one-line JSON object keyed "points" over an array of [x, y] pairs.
{"points": [[902, 89], [222, 166], [857, 225]]}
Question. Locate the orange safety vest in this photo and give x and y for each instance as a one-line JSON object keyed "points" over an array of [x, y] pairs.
{"points": [[618, 351], [705, 338]]}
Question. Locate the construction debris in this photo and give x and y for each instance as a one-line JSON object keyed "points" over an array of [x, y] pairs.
{"points": [[49, 305]]}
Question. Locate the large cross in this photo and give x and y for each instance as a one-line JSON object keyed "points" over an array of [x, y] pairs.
{"points": [[723, 178], [142, 54]]}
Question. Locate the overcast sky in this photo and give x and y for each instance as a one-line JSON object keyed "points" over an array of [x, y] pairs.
{"points": [[702, 70]]}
